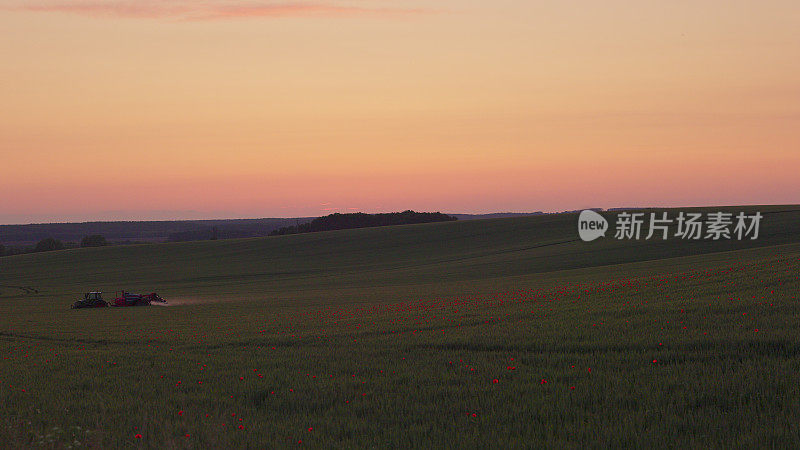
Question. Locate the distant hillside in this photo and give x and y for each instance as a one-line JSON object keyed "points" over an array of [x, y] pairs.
{"points": [[501, 215], [147, 231], [382, 263], [361, 220], [179, 230]]}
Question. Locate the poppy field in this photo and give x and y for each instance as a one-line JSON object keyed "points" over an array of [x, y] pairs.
{"points": [[700, 349]]}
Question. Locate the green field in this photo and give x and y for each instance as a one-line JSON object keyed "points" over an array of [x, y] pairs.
{"points": [[501, 333]]}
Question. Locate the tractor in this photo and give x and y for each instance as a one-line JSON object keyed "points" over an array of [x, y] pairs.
{"points": [[128, 299], [91, 300]]}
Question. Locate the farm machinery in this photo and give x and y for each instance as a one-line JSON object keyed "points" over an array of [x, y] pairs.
{"points": [[91, 300], [128, 299], [95, 300]]}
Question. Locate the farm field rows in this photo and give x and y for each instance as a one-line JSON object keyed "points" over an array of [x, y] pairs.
{"points": [[491, 333]]}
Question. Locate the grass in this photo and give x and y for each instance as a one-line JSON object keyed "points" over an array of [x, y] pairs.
{"points": [[502, 333]]}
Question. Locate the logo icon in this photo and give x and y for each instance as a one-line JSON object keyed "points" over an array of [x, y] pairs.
{"points": [[591, 225]]}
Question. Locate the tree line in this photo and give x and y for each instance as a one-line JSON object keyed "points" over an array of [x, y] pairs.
{"points": [[339, 221], [144, 231], [335, 221], [49, 244]]}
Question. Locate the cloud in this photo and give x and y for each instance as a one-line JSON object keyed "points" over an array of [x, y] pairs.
{"points": [[208, 10]]}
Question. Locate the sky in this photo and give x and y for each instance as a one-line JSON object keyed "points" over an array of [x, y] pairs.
{"points": [[187, 109]]}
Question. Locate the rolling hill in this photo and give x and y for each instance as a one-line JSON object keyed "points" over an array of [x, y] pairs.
{"points": [[495, 333], [407, 260]]}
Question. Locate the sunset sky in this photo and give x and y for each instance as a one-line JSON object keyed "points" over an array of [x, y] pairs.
{"points": [[170, 109]]}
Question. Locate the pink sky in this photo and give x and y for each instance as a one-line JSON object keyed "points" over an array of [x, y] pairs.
{"points": [[149, 109]]}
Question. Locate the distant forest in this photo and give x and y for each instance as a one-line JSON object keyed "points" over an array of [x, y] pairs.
{"points": [[27, 236], [361, 220]]}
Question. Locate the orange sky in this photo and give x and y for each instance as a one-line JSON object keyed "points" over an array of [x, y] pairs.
{"points": [[140, 109]]}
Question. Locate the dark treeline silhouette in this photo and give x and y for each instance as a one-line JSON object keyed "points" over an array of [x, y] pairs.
{"points": [[200, 234], [48, 245], [95, 240], [23, 238], [502, 215], [9, 250], [18, 239], [27, 236], [361, 220]]}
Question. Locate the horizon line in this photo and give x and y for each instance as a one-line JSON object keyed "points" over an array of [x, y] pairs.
{"points": [[538, 212]]}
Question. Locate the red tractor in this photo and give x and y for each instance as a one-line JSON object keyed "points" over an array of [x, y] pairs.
{"points": [[128, 299]]}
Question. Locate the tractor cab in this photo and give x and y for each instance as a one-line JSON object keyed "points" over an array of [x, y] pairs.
{"points": [[91, 300]]}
